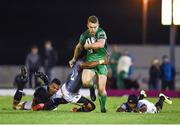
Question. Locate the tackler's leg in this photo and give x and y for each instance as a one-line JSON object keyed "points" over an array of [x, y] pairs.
{"points": [[86, 105], [21, 80]]}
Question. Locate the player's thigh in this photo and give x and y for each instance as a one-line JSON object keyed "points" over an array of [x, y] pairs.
{"points": [[87, 76], [102, 80], [68, 96]]}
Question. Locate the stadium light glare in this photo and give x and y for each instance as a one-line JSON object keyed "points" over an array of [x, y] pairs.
{"points": [[166, 12], [144, 20], [170, 16], [176, 11], [170, 12]]}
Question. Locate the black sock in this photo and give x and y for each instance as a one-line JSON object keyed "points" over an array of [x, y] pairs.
{"points": [[21, 81], [141, 97], [87, 105], [18, 95], [159, 104]]}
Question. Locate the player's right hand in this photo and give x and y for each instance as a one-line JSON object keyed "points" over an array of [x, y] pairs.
{"points": [[72, 62], [42, 76]]}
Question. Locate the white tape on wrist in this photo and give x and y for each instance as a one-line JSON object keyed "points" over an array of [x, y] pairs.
{"points": [[101, 61]]}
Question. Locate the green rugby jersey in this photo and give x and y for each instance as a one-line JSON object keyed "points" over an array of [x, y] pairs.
{"points": [[94, 55]]}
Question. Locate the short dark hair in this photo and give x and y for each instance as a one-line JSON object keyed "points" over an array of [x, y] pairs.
{"points": [[56, 81], [132, 99], [93, 19]]}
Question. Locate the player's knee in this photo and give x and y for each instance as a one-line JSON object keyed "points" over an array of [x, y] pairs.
{"points": [[102, 91], [86, 81]]}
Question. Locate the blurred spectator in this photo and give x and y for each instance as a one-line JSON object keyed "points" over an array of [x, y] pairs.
{"points": [[168, 74], [131, 82], [112, 76], [123, 66], [154, 75], [33, 64], [50, 59]]}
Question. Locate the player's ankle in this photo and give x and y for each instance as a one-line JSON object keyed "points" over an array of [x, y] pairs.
{"points": [[103, 110]]}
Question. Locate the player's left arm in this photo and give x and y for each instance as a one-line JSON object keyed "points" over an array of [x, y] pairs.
{"points": [[50, 105]]}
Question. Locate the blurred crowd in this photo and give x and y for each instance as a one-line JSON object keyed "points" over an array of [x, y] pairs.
{"points": [[35, 60], [122, 71], [123, 75]]}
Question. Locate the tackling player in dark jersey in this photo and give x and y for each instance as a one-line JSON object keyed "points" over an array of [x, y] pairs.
{"points": [[42, 94]]}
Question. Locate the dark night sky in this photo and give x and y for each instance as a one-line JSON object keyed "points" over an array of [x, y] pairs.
{"points": [[24, 23]]}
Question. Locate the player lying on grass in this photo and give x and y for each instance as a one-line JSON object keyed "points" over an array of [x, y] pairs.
{"points": [[135, 104], [43, 94], [68, 93]]}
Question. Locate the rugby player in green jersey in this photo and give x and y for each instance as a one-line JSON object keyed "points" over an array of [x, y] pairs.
{"points": [[93, 40]]}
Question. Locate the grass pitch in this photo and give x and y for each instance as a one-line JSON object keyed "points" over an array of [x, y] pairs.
{"points": [[170, 114]]}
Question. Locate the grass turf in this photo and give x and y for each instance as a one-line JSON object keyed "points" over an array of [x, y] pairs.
{"points": [[170, 114]]}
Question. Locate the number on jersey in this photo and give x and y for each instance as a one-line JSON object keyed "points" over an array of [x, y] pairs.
{"points": [[90, 41]]}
